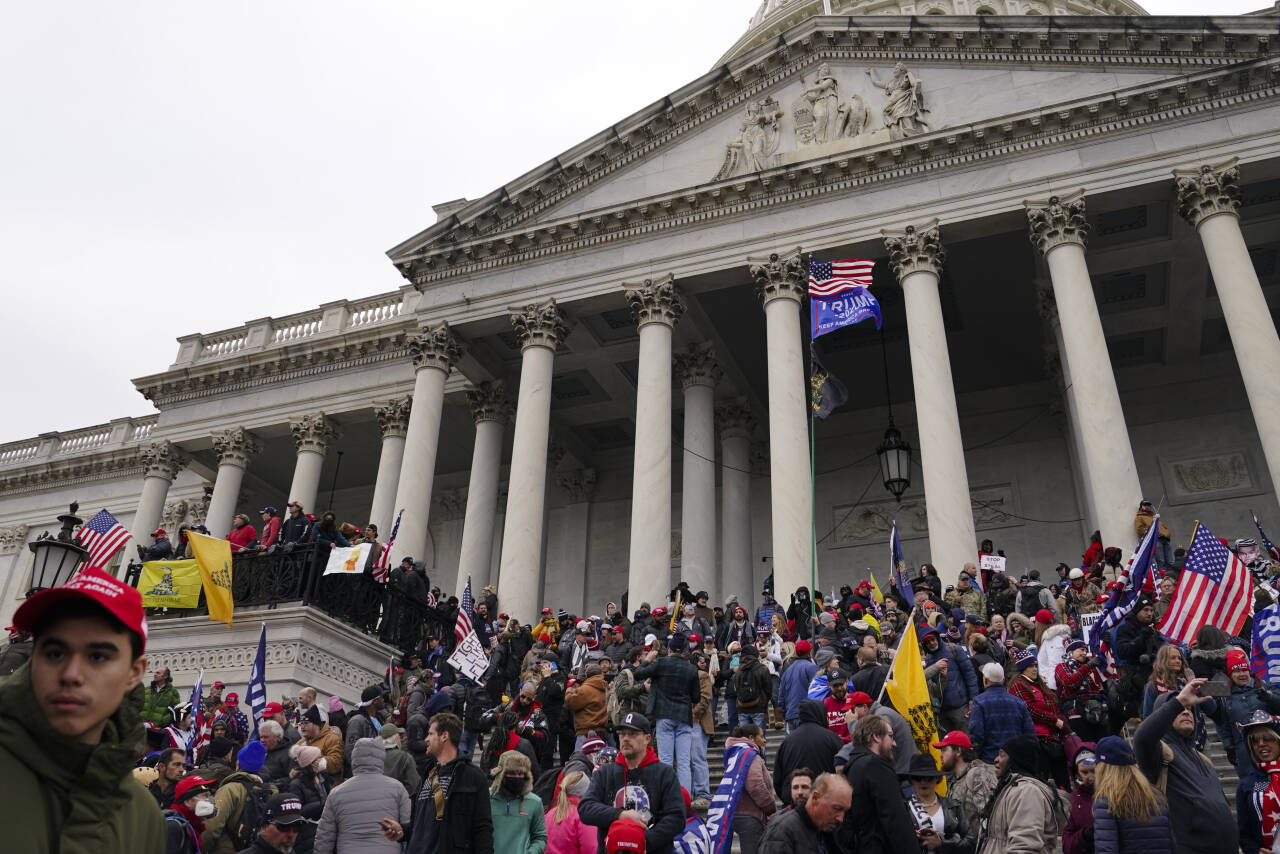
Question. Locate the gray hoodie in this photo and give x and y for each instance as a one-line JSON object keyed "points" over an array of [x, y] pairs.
{"points": [[350, 823]]}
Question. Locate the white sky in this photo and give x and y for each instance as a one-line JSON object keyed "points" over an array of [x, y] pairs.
{"points": [[169, 168]]}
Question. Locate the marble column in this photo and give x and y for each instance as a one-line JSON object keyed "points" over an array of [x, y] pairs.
{"points": [[782, 285], [234, 447], [568, 531], [656, 306], [539, 327], [1058, 229], [393, 422], [161, 461], [492, 410], [312, 434], [917, 256], [1207, 198], [699, 372], [736, 423], [434, 350]]}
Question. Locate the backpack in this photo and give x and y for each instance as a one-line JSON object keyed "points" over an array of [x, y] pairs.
{"points": [[747, 687], [245, 827], [613, 705], [1031, 599]]}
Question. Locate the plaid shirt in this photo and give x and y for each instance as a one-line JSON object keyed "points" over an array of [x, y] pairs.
{"points": [[997, 716], [675, 689]]}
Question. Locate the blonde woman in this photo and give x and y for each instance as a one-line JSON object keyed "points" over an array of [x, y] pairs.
{"points": [[1129, 816], [566, 834]]}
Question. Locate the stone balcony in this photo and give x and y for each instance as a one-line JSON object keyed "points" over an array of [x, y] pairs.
{"points": [[55, 447]]}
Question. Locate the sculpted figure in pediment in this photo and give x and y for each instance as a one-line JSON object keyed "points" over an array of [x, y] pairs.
{"points": [[819, 114], [757, 142], [904, 110]]}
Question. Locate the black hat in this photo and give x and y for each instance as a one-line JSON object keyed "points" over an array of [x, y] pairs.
{"points": [[312, 716], [635, 721], [923, 765], [702, 594], [1024, 754], [283, 809], [369, 694]]}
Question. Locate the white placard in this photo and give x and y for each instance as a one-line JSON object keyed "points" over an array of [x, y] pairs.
{"points": [[347, 561], [469, 658], [995, 563], [1086, 623]]}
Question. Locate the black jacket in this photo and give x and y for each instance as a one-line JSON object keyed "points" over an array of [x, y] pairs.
{"points": [[877, 820], [652, 787], [275, 769], [467, 825], [295, 530], [792, 832], [810, 745]]}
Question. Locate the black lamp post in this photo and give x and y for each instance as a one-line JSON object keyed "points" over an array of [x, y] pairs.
{"points": [[894, 452], [56, 557]]}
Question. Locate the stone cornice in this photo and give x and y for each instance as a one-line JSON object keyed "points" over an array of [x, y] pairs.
{"points": [[72, 471], [488, 232]]}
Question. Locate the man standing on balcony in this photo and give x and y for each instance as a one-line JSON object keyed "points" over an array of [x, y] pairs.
{"points": [[294, 530], [160, 548], [270, 527], [242, 533]]}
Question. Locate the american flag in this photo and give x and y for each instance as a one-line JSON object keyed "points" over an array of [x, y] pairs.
{"points": [[1123, 601], [463, 627], [828, 278], [103, 536], [203, 728], [1266, 541], [380, 571], [1215, 589]]}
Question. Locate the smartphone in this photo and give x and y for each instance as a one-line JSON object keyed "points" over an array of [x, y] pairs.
{"points": [[1214, 688]]}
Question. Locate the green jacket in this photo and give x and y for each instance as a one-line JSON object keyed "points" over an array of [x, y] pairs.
{"points": [[155, 705], [64, 797], [399, 765], [230, 797], [519, 826]]}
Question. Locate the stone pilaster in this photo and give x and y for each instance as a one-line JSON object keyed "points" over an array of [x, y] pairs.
{"points": [[491, 409], [161, 462], [699, 372]]}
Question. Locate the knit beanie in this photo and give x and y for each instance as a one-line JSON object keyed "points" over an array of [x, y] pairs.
{"points": [[252, 756], [1024, 754]]}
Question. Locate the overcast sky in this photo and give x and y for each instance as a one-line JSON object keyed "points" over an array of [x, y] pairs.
{"points": [[169, 168]]}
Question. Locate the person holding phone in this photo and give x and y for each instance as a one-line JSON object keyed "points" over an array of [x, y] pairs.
{"points": [[940, 826]]}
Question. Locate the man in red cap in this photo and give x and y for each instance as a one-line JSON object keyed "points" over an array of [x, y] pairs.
{"points": [[68, 738], [970, 780], [793, 687], [184, 821]]}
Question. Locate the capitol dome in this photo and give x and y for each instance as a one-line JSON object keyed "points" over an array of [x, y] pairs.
{"points": [[777, 16]]}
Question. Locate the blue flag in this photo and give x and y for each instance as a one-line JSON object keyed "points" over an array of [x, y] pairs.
{"points": [[844, 309], [1122, 601], [717, 832], [826, 393], [899, 570], [256, 694], [1264, 662], [1266, 541]]}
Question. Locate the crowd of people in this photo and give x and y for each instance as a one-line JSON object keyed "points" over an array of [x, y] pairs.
{"points": [[592, 733]]}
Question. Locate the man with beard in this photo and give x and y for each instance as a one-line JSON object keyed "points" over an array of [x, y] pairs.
{"points": [[971, 781], [839, 704], [1025, 813], [877, 820], [531, 723], [808, 827], [736, 629], [961, 684]]}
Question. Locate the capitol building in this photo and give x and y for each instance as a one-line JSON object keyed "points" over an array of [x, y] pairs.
{"points": [[594, 378]]}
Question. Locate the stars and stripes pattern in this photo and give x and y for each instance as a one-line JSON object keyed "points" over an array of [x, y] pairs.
{"points": [[380, 570], [103, 536], [1123, 601], [202, 726], [1215, 589], [1266, 541], [828, 278], [463, 627]]}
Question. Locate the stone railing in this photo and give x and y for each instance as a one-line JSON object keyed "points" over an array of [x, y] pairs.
{"points": [[335, 318], [119, 433]]}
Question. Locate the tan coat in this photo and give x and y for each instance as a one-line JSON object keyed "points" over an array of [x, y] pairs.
{"points": [[1028, 818], [702, 709], [587, 701], [330, 744]]}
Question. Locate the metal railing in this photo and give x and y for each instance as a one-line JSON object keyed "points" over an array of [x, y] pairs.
{"points": [[287, 576]]}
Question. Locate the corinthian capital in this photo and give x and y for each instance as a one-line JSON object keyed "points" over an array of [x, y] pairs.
{"points": [[12, 539], [579, 484], [654, 301], [393, 416], [435, 347], [234, 447], [780, 277], [489, 402], [1056, 221], [915, 249], [162, 459], [313, 432], [698, 366], [734, 419], [539, 324], [1212, 188]]}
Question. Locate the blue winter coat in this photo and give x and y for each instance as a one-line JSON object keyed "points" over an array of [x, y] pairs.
{"points": [[1249, 809], [962, 682], [1127, 836], [794, 686], [1236, 708]]}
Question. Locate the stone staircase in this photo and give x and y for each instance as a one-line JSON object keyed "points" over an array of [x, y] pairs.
{"points": [[1225, 767], [715, 752]]}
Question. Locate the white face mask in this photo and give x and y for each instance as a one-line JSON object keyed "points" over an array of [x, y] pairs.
{"points": [[321, 764], [205, 808]]}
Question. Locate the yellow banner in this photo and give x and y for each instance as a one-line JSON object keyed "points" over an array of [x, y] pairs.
{"points": [[909, 694], [213, 556], [876, 595], [170, 584]]}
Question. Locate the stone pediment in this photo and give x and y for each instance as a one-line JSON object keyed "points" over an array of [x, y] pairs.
{"points": [[861, 94]]}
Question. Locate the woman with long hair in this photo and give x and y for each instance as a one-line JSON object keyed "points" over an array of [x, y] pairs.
{"points": [[1169, 673], [1129, 815], [1051, 727], [566, 834]]}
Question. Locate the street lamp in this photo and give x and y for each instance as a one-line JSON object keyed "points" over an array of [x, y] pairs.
{"points": [[895, 461], [56, 557]]}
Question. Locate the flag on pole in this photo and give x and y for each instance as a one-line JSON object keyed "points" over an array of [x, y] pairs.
{"points": [[1266, 541], [257, 691], [826, 393], [831, 278], [213, 556], [463, 626], [380, 570], [469, 657], [675, 613], [170, 584], [202, 727], [909, 693], [1214, 589], [1122, 602], [103, 536], [838, 295], [899, 564]]}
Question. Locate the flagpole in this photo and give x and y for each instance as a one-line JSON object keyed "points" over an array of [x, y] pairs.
{"points": [[896, 649], [813, 476]]}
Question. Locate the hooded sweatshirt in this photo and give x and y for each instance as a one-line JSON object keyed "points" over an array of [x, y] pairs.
{"points": [[810, 745], [350, 821], [650, 788], [61, 795], [757, 794]]}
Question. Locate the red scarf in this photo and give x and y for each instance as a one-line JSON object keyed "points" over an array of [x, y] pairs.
{"points": [[1270, 803]]}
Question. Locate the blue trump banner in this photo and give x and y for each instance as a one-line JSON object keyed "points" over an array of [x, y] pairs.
{"points": [[844, 309], [1264, 663]]}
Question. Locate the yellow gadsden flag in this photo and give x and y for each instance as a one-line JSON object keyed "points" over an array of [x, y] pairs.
{"points": [[170, 584], [213, 556], [876, 595], [909, 694]]}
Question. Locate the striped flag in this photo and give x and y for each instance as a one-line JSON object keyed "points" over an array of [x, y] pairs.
{"points": [[380, 571], [1266, 541], [1123, 601], [1215, 589], [463, 627], [103, 536], [256, 694], [828, 278], [203, 727]]}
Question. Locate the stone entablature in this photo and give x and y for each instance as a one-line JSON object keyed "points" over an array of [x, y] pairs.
{"points": [[495, 230]]}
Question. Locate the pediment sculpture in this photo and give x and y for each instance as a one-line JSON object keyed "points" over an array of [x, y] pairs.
{"points": [[819, 114], [757, 142]]}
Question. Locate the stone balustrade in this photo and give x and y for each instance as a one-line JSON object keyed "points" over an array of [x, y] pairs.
{"points": [[119, 433]]}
